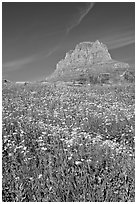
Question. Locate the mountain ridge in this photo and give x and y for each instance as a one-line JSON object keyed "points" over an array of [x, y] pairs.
{"points": [[87, 58]]}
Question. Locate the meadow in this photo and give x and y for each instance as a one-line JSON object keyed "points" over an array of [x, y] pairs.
{"points": [[68, 143]]}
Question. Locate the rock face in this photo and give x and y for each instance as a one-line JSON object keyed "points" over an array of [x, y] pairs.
{"points": [[128, 76], [88, 58], [86, 53]]}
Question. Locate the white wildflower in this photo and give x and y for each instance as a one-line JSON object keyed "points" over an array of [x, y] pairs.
{"points": [[40, 175], [43, 148], [24, 148], [78, 162]]}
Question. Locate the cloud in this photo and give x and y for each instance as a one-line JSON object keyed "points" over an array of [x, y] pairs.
{"points": [[83, 11], [21, 63], [119, 40], [18, 64], [52, 51]]}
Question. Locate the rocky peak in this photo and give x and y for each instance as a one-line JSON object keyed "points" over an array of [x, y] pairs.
{"points": [[86, 57], [85, 53], [95, 46]]}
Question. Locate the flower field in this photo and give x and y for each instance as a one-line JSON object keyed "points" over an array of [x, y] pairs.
{"points": [[68, 144]]}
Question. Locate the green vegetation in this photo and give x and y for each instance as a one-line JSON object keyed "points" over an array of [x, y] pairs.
{"points": [[68, 144]]}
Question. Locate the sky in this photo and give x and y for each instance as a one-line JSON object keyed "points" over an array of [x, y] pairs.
{"points": [[35, 36]]}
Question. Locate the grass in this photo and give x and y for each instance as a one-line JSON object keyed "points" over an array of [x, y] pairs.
{"points": [[68, 144]]}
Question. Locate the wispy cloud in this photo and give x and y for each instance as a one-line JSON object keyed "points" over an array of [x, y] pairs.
{"points": [[21, 63], [76, 20], [83, 11], [52, 51], [119, 40], [18, 64]]}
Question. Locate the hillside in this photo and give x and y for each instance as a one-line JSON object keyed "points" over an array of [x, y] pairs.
{"points": [[68, 144]]}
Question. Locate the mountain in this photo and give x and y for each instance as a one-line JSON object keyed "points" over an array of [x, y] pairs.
{"points": [[87, 59]]}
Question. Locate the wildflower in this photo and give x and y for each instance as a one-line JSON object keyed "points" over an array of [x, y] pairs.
{"points": [[40, 175], [88, 160], [24, 148], [97, 139], [78, 162], [44, 133], [17, 178], [50, 188], [43, 148]]}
